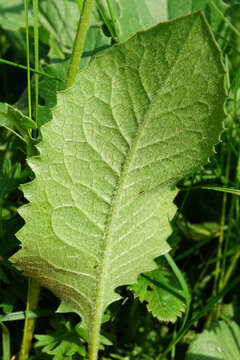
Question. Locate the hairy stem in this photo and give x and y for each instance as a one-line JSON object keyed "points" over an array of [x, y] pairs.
{"points": [[79, 42], [32, 302]]}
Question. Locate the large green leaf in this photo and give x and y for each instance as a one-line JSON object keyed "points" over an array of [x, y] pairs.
{"points": [[137, 119], [220, 342], [161, 291]]}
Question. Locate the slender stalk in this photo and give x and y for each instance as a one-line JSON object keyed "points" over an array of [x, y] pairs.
{"points": [[7, 62], [33, 285], [226, 246], [36, 53], [231, 268], [94, 333], [221, 237], [79, 42], [29, 326], [1, 221], [105, 19], [6, 348], [220, 244], [117, 37], [28, 60]]}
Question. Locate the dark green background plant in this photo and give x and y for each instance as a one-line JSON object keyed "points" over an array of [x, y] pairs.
{"points": [[205, 231]]}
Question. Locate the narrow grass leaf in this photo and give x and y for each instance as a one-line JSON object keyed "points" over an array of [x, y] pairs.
{"points": [[222, 189], [6, 350]]}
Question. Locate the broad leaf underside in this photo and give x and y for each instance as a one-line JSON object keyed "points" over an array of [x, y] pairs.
{"points": [[138, 119]]}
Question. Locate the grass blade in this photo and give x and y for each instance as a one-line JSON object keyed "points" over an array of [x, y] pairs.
{"points": [[5, 342], [28, 59], [36, 53]]}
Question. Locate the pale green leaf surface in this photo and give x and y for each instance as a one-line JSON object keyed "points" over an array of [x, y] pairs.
{"points": [[220, 342], [135, 15], [95, 43], [137, 119], [161, 291]]}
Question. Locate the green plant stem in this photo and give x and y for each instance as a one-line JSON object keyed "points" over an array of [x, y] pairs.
{"points": [[231, 268], [94, 335], [226, 246], [28, 59], [7, 62], [117, 37], [105, 19], [221, 237], [6, 348], [1, 221], [32, 302], [36, 53], [79, 41], [33, 285]]}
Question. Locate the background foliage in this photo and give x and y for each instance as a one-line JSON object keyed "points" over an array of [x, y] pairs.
{"points": [[205, 231]]}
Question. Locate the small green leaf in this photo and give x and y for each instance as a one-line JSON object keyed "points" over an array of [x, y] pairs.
{"points": [[161, 291], [13, 119], [220, 342], [62, 343]]}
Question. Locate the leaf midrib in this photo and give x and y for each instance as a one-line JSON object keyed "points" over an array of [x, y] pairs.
{"points": [[106, 252]]}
